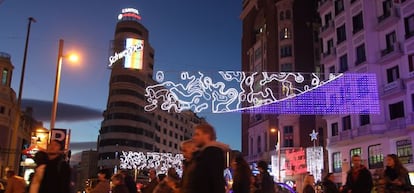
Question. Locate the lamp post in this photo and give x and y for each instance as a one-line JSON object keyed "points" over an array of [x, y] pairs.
{"points": [[279, 155], [19, 98], [57, 82]]}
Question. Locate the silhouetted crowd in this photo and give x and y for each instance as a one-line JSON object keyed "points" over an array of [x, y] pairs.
{"points": [[203, 172]]}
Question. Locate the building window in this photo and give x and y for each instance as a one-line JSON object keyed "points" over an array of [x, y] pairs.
{"points": [[337, 162], [288, 141], [341, 34], [328, 19], [357, 23], [281, 15], [332, 69], [285, 34], [360, 54], [386, 10], [355, 151], [339, 6], [411, 62], [346, 123], [343, 63], [288, 14], [396, 110], [364, 119], [409, 26], [412, 102], [405, 151], [288, 129], [334, 129], [287, 67], [375, 157], [4, 77], [393, 74], [259, 146], [2, 109], [390, 39], [286, 51]]}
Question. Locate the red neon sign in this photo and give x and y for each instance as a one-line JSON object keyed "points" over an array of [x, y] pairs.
{"points": [[295, 162]]}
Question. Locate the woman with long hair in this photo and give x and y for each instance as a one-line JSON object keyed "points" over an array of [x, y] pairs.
{"points": [[396, 175], [309, 184], [241, 175]]}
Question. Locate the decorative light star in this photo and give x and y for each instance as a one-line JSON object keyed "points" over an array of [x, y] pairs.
{"points": [[314, 135]]}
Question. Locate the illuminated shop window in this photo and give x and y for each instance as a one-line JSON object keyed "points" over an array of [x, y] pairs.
{"points": [[375, 156], [337, 162], [405, 151], [355, 151]]}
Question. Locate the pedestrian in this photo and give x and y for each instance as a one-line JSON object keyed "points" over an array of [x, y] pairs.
{"points": [[57, 175], [152, 182], [189, 150], [241, 174], [359, 178], [15, 184], [103, 185], [129, 182], [396, 175], [118, 185], [329, 185], [253, 184], [41, 159], [169, 184], [309, 184], [266, 183], [208, 174]]}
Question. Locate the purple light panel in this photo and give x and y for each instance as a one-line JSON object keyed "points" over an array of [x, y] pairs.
{"points": [[348, 94]]}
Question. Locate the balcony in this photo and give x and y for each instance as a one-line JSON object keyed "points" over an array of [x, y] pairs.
{"points": [[324, 4], [367, 130], [396, 124], [409, 35], [388, 19], [391, 52], [345, 135], [327, 29], [329, 55], [391, 88]]}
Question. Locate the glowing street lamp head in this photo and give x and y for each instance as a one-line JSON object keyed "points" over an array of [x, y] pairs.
{"points": [[273, 130], [73, 57]]}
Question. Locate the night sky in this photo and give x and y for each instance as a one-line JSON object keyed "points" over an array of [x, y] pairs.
{"points": [[187, 35]]}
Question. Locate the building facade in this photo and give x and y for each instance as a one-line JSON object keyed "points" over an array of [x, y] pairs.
{"points": [[279, 36], [126, 125], [7, 111], [371, 36]]}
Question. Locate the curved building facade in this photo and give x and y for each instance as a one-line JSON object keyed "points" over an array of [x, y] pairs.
{"points": [[126, 125]]}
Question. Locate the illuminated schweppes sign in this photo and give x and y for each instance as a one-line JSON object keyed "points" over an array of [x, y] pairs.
{"points": [[129, 13], [132, 55]]}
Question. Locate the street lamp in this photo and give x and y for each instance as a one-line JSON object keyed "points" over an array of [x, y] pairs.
{"points": [[279, 156], [71, 57]]}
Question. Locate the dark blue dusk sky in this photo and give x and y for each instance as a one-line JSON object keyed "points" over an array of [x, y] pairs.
{"points": [[187, 35]]}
